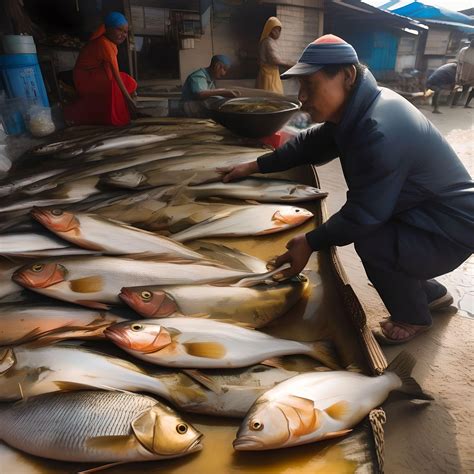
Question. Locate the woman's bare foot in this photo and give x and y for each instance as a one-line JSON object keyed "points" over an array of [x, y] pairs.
{"points": [[394, 332]]}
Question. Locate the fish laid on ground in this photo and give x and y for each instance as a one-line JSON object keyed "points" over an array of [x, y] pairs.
{"points": [[28, 322], [317, 406], [12, 185], [73, 191], [197, 169], [256, 306], [94, 232], [27, 372], [127, 141], [97, 426], [207, 344], [263, 219], [96, 281], [36, 244], [258, 189]]}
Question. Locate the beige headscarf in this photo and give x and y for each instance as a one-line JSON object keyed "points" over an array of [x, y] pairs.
{"points": [[271, 23]]}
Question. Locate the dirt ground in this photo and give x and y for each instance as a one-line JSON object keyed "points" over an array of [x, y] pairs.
{"points": [[435, 437]]}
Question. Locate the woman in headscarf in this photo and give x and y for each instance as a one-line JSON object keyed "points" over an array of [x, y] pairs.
{"points": [[269, 60], [104, 92]]}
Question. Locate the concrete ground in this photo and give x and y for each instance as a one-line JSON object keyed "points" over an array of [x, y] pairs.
{"points": [[434, 438]]}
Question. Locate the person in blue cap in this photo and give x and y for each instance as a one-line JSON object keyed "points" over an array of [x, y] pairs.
{"points": [[410, 201], [104, 92], [200, 85]]}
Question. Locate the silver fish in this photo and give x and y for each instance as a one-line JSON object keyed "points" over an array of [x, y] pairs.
{"points": [[28, 322], [206, 344], [126, 428]]}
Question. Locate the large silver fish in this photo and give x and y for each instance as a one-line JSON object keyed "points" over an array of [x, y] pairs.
{"points": [[98, 426], [246, 220], [206, 344], [27, 372], [37, 244], [256, 306], [316, 406], [97, 233], [263, 190], [197, 169], [96, 281], [28, 322]]}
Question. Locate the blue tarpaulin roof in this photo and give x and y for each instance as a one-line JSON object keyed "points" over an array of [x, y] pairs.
{"points": [[419, 10]]}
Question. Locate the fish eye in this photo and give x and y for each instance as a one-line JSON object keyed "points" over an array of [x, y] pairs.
{"points": [[136, 327], [256, 425], [56, 212], [182, 428], [297, 210], [37, 267], [146, 295]]}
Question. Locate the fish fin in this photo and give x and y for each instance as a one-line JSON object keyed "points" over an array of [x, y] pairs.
{"points": [[251, 201], [276, 362], [86, 244], [7, 359], [300, 413], [402, 366], [209, 350], [91, 284], [325, 352], [335, 434], [102, 468], [65, 386], [203, 379], [338, 410], [93, 304]]}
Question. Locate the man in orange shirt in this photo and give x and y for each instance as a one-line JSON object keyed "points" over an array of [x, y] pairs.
{"points": [[104, 92]]}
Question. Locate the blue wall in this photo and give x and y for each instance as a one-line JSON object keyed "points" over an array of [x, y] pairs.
{"points": [[376, 49]]}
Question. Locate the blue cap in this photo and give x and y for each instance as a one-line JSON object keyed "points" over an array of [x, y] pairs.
{"points": [[328, 49], [221, 58], [115, 20]]}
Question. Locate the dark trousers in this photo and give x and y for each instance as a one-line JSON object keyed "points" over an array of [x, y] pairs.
{"points": [[400, 261]]}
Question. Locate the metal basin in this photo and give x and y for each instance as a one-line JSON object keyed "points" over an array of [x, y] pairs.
{"points": [[257, 121]]}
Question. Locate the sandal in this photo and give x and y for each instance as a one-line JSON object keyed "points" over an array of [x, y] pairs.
{"points": [[412, 330]]}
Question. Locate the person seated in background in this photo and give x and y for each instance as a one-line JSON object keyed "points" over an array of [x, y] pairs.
{"points": [[104, 92], [443, 78], [200, 85]]}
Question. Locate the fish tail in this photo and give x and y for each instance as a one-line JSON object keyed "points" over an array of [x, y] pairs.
{"points": [[402, 366], [325, 352]]}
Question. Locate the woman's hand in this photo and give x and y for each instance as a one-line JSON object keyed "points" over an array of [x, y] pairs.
{"points": [[237, 172], [297, 256]]}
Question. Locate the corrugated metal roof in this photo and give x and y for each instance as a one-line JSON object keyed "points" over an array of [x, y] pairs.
{"points": [[459, 26]]}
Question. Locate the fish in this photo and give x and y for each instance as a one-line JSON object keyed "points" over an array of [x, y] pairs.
{"points": [[13, 184], [258, 189], [95, 281], [263, 219], [199, 343], [71, 192], [110, 237], [27, 372], [256, 306], [321, 405], [28, 322], [126, 427], [36, 244], [197, 169], [127, 141]]}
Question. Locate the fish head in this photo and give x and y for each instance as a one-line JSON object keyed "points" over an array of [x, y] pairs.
{"points": [[7, 359], [125, 178], [162, 431], [139, 336], [264, 427], [147, 302], [290, 215], [36, 188], [276, 423], [40, 275], [55, 219]]}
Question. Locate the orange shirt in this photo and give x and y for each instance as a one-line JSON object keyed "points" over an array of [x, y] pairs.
{"points": [[98, 53]]}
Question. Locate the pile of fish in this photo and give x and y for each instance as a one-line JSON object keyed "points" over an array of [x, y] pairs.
{"points": [[108, 233]]}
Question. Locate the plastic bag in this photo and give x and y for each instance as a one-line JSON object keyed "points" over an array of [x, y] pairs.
{"points": [[39, 121]]}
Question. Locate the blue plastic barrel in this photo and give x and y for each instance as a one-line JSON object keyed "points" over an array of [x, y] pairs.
{"points": [[22, 77]]}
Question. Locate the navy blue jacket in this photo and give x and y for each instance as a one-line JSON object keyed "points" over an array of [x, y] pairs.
{"points": [[396, 164]]}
